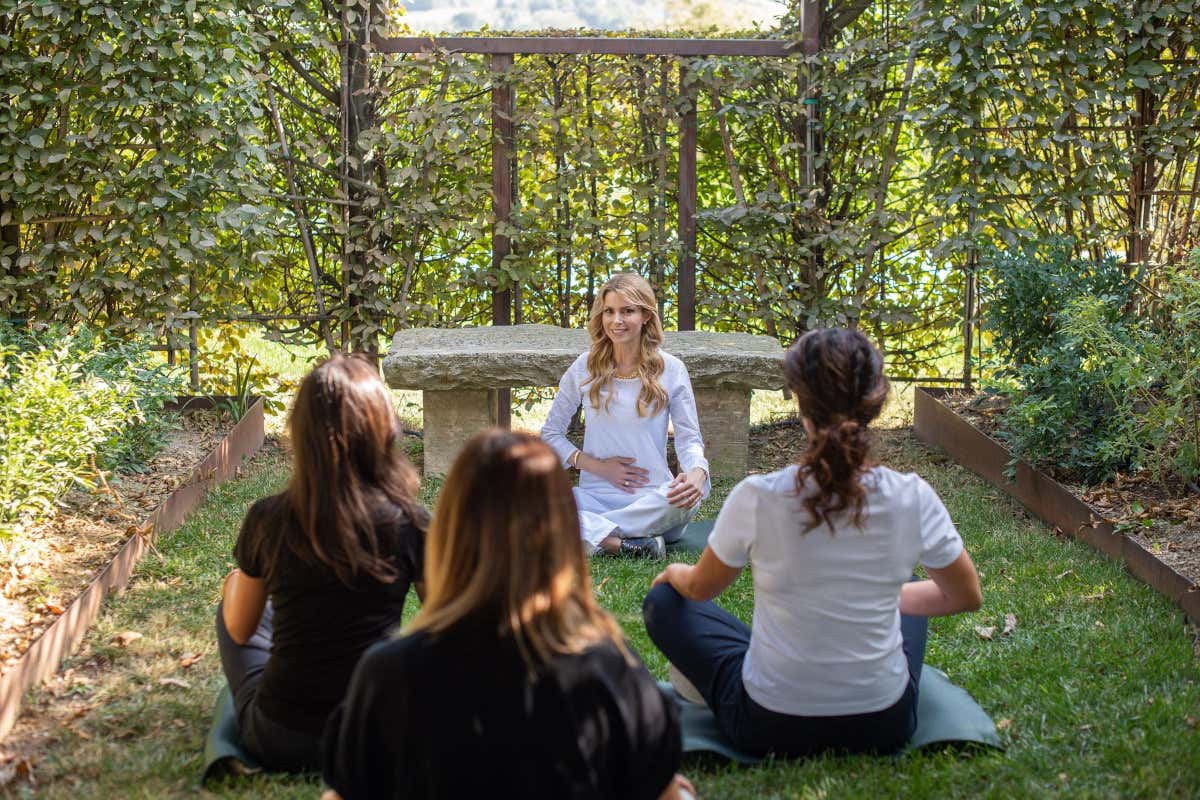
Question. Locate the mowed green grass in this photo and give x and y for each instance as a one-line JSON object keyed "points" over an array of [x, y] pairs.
{"points": [[1096, 690]]}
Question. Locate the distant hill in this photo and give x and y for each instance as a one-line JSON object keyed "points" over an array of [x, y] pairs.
{"points": [[449, 16]]}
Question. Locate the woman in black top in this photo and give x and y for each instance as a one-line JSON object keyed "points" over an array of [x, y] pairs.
{"points": [[511, 681], [323, 567]]}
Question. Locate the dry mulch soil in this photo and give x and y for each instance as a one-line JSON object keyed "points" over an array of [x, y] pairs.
{"points": [[47, 567], [1163, 519]]}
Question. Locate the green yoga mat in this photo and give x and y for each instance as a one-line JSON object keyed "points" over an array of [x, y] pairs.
{"points": [[223, 753], [946, 714], [695, 537]]}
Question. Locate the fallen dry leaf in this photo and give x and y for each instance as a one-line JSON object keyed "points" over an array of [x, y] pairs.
{"points": [[1100, 595], [54, 608], [187, 659], [1010, 624], [21, 768], [1191, 722], [182, 684], [985, 632], [82, 734], [1004, 724], [125, 638]]}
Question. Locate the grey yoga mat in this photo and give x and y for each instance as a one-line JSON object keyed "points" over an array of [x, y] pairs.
{"points": [[694, 538], [223, 753], [946, 714]]}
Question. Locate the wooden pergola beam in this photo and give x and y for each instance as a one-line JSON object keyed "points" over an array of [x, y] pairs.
{"points": [[502, 49], [578, 45]]}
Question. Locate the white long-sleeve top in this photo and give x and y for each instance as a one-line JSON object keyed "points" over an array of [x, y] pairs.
{"points": [[619, 431]]}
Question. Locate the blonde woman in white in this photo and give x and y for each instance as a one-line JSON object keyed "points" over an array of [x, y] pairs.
{"points": [[629, 502]]}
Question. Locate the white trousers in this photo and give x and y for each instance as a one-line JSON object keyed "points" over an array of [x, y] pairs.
{"points": [[646, 513]]}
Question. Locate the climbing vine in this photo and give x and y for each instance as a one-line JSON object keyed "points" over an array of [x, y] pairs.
{"points": [[161, 161]]}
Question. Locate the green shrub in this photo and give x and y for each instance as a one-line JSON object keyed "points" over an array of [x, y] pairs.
{"points": [[155, 384], [53, 416], [1033, 288], [114, 359], [229, 367], [1151, 374], [1061, 419], [71, 402], [1103, 376]]}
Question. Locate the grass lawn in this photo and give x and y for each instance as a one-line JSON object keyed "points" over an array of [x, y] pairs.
{"points": [[1096, 691]]}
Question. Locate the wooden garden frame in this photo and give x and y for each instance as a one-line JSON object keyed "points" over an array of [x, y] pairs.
{"points": [[503, 49]]}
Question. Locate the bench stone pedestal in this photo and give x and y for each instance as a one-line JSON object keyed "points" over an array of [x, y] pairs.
{"points": [[724, 414], [460, 369], [451, 418]]}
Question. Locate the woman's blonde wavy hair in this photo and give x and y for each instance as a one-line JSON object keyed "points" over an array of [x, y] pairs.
{"points": [[601, 364], [504, 547]]}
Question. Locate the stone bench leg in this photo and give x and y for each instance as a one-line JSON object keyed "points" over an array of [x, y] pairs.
{"points": [[725, 425], [451, 418]]}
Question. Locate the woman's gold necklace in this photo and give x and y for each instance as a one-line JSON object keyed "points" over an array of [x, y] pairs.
{"points": [[617, 374]]}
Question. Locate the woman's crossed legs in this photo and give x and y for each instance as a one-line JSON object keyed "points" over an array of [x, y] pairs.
{"points": [[708, 645]]}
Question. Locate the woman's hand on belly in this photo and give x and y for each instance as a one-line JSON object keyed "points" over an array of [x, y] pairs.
{"points": [[621, 471]]}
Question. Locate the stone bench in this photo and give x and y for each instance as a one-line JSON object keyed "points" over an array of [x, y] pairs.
{"points": [[460, 369]]}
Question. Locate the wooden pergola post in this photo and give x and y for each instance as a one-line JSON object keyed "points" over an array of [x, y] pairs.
{"points": [[1141, 181], [503, 48], [686, 275], [503, 152]]}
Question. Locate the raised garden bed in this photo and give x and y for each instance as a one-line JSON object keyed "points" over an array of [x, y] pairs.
{"points": [[94, 526], [936, 423]]}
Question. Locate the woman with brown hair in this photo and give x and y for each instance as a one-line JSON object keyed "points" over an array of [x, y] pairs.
{"points": [[511, 680], [323, 568], [630, 390], [834, 657]]}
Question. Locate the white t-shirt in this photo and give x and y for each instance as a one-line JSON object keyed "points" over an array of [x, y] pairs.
{"points": [[615, 429], [825, 639]]}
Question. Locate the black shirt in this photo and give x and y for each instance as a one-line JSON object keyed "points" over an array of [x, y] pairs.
{"points": [[321, 625], [456, 715]]}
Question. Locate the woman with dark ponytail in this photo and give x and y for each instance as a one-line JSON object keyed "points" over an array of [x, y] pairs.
{"points": [[834, 657]]}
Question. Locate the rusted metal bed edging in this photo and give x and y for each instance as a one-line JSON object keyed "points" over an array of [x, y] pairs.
{"points": [[937, 424], [43, 657]]}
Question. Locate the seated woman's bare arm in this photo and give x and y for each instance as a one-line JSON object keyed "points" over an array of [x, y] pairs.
{"points": [[949, 590], [242, 602], [705, 580]]}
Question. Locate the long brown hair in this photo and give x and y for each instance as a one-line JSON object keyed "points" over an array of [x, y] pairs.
{"points": [[602, 365], [837, 377], [504, 546], [345, 461]]}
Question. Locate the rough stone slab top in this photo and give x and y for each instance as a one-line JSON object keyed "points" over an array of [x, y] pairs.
{"points": [[537, 355]]}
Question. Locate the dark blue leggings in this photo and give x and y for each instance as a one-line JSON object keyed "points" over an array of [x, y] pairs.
{"points": [[708, 645]]}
